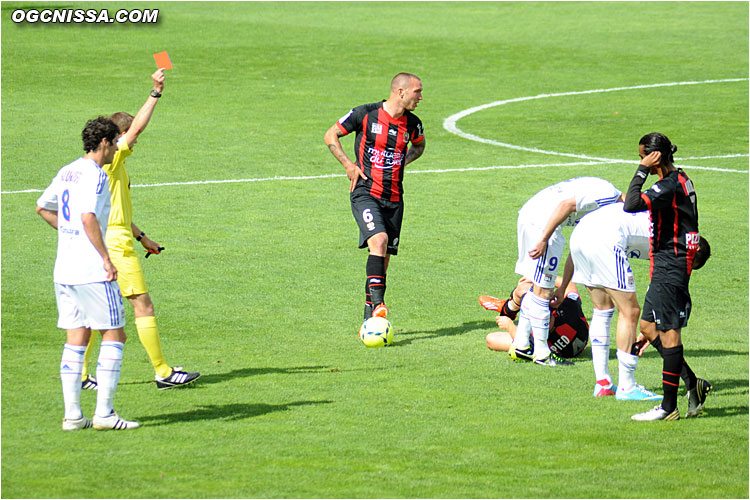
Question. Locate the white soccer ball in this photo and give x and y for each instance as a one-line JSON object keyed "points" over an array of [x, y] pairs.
{"points": [[376, 332]]}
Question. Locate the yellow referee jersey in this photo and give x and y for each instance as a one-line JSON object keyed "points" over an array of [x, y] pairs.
{"points": [[121, 214]]}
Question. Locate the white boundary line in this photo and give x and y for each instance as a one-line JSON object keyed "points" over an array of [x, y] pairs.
{"points": [[449, 123], [415, 172]]}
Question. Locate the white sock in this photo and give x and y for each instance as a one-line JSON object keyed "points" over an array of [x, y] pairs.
{"points": [[107, 375], [71, 366], [599, 335], [523, 331], [537, 309], [627, 363]]}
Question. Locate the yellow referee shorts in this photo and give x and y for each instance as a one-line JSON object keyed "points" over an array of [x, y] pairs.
{"points": [[122, 252]]}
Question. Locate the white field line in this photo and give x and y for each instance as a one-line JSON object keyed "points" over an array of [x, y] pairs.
{"points": [[449, 123], [410, 172]]}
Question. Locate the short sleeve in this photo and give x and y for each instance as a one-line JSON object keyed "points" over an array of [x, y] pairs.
{"points": [[591, 199], [662, 192], [352, 120], [417, 134], [48, 199]]}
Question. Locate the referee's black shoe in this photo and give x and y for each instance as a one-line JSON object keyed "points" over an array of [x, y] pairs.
{"points": [[177, 378]]}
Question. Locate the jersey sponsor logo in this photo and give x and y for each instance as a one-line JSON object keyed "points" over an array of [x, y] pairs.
{"points": [[392, 132], [385, 159], [692, 240], [376, 128], [656, 188], [560, 344]]}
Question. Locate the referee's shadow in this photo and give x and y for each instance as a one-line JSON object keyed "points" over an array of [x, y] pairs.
{"points": [[448, 331], [227, 412]]}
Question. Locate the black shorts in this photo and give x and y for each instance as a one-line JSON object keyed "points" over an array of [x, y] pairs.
{"points": [[375, 216], [667, 306]]}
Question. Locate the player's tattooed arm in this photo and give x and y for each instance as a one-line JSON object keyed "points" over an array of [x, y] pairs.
{"points": [[353, 172], [414, 152], [334, 145]]}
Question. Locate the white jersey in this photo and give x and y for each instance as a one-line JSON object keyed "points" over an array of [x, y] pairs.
{"points": [[613, 226], [78, 188], [590, 193], [602, 244]]}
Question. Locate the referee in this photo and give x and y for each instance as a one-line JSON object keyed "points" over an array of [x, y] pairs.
{"points": [[676, 249], [383, 132]]}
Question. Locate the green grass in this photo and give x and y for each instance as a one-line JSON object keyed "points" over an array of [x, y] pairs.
{"points": [[260, 287]]}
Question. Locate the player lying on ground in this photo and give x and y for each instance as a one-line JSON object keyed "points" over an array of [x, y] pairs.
{"points": [[568, 330]]}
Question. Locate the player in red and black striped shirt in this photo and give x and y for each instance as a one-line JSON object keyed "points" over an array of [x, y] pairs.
{"points": [[383, 133], [676, 250]]}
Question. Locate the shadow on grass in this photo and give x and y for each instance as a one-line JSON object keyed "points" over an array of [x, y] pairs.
{"points": [[448, 331], [214, 378], [228, 412]]}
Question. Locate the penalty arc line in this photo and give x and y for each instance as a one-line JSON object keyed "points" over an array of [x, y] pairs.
{"points": [[449, 123]]}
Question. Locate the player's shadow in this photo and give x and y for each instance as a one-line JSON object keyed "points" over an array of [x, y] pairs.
{"points": [[213, 378], [413, 335], [227, 412]]}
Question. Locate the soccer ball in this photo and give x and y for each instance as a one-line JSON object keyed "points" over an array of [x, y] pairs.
{"points": [[376, 332]]}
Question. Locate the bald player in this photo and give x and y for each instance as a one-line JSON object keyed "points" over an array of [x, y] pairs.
{"points": [[388, 136]]}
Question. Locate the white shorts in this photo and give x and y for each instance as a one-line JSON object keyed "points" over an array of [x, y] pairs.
{"points": [[542, 271], [599, 265], [94, 305]]}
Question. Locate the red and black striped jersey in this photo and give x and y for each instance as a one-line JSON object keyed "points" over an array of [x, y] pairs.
{"points": [[380, 146], [673, 207]]}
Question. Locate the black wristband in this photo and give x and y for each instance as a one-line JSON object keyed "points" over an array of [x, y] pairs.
{"points": [[155, 94], [140, 236]]}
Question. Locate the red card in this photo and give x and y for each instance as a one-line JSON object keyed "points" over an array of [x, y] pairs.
{"points": [[162, 60]]}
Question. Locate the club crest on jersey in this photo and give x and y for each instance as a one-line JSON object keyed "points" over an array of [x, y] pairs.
{"points": [[406, 136], [376, 128]]}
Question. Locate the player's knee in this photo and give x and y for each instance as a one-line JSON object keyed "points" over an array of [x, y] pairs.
{"points": [[378, 242]]}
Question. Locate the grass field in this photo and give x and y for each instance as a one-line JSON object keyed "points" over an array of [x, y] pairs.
{"points": [[260, 286]]}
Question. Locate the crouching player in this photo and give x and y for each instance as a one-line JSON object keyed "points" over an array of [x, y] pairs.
{"points": [[600, 247]]}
